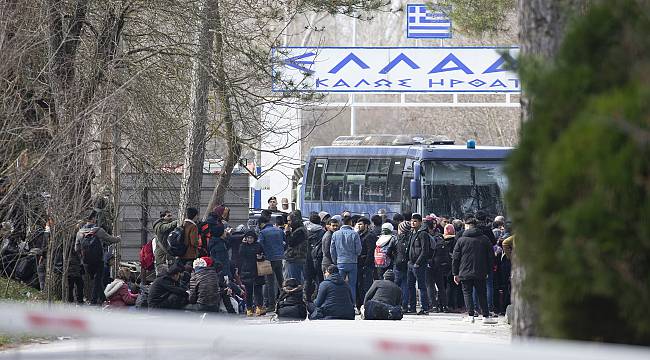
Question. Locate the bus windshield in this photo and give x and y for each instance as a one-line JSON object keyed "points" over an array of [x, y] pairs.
{"points": [[454, 188]]}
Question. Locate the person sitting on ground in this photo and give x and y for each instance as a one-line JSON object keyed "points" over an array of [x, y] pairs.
{"points": [[334, 300], [229, 292], [290, 304], [204, 287], [165, 293], [117, 293], [383, 300]]}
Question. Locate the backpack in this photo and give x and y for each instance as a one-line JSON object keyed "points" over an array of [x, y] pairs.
{"points": [[204, 238], [316, 243], [92, 250], [26, 268], [442, 257], [146, 256], [176, 242], [381, 256]]}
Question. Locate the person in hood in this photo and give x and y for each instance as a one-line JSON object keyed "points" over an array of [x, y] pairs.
{"points": [[162, 227], [297, 247], [191, 235], [291, 305], [204, 286], [117, 293], [165, 293], [335, 299], [442, 266], [472, 260], [384, 254], [400, 266], [312, 270], [219, 237], [250, 252], [383, 300], [94, 269]]}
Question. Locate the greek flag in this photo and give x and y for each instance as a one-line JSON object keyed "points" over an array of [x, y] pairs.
{"points": [[422, 23]]}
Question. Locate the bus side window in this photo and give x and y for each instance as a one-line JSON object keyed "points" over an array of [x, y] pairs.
{"points": [[318, 179], [308, 180], [394, 189]]}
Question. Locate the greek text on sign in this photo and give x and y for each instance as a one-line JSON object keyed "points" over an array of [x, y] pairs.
{"points": [[394, 69]]}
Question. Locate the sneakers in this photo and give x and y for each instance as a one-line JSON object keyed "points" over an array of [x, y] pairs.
{"points": [[489, 320], [260, 310], [423, 312], [356, 311], [362, 310], [470, 319], [249, 312]]}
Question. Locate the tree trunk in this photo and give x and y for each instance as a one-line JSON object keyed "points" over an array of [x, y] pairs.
{"points": [[233, 148], [542, 25], [190, 195]]}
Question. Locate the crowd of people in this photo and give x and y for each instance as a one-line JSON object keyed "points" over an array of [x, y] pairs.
{"points": [[320, 267]]}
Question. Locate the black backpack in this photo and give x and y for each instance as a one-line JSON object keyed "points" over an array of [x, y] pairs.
{"points": [[442, 254], [176, 242], [92, 250], [26, 268], [316, 243]]}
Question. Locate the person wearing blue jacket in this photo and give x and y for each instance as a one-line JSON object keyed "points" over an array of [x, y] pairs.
{"points": [[272, 240], [345, 249], [335, 299]]}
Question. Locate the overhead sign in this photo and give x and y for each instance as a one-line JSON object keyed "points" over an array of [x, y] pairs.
{"points": [[422, 23], [394, 69]]}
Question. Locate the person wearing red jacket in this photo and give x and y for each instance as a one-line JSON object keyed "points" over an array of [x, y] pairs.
{"points": [[117, 293]]}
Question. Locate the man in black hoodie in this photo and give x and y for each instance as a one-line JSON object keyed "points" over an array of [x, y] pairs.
{"points": [[472, 260], [366, 260], [383, 300], [165, 293]]}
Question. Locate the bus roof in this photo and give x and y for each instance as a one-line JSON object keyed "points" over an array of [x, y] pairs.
{"points": [[421, 152]]}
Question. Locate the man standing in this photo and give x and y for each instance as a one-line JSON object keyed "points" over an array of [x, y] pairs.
{"points": [[366, 261], [90, 242], [162, 227], [332, 227], [272, 240], [471, 262], [191, 234], [312, 273], [418, 254], [345, 249], [273, 203]]}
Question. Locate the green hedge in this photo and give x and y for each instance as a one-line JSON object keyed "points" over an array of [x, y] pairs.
{"points": [[580, 179]]}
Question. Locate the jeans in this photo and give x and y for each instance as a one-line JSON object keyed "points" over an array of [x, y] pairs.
{"points": [[490, 292], [313, 277], [478, 285], [78, 283], [253, 289], [349, 272], [431, 285], [417, 274], [96, 275], [400, 280], [364, 282], [273, 283], [294, 270], [441, 278]]}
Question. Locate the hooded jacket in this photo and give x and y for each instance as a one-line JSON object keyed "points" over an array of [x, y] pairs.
{"points": [[100, 233], [384, 291], [315, 233], [118, 295], [326, 242], [272, 240], [191, 234], [402, 251], [160, 291], [442, 253], [335, 298], [345, 246], [204, 287], [473, 255], [290, 304], [367, 255], [248, 263]]}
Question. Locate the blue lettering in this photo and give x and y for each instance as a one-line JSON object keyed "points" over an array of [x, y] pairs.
{"points": [[321, 82], [450, 59], [401, 57], [363, 81], [341, 82], [496, 66], [346, 60], [383, 82], [498, 83], [516, 81], [454, 82], [402, 82], [441, 82]]}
